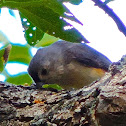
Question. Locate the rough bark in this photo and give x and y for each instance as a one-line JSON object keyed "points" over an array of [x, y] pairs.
{"points": [[103, 103]]}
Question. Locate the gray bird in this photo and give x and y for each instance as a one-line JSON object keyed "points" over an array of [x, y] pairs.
{"points": [[71, 65]]}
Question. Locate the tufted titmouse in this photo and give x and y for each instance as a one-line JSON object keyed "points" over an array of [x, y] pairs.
{"points": [[71, 65]]}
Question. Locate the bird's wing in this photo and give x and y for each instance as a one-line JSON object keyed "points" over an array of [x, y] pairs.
{"points": [[88, 56]]}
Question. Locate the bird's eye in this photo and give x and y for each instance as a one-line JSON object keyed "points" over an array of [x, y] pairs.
{"points": [[44, 71]]}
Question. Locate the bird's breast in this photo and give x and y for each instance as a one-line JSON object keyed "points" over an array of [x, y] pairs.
{"points": [[75, 75]]}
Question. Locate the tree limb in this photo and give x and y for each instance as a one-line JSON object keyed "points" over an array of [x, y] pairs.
{"points": [[111, 13], [103, 103]]}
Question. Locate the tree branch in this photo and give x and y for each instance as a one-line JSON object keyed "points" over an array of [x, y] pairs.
{"points": [[111, 13], [103, 103]]}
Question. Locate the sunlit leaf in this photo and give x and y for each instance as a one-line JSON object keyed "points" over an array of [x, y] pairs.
{"points": [[20, 54], [46, 40], [19, 79]]}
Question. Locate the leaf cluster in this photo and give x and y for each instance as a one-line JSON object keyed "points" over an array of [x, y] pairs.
{"points": [[43, 22]]}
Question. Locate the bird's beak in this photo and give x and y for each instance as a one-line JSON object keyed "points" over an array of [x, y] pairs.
{"points": [[39, 85]]}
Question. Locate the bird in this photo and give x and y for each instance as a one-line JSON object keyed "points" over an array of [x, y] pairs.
{"points": [[70, 65]]}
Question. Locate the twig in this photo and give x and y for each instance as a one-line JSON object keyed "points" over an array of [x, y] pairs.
{"points": [[111, 13]]}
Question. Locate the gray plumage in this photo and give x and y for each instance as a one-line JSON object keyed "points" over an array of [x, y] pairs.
{"points": [[57, 62]]}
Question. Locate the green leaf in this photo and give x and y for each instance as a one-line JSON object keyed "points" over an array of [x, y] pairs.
{"points": [[2, 52], [46, 40], [1, 64], [48, 16], [32, 34], [20, 53], [55, 86], [19, 79], [76, 2]]}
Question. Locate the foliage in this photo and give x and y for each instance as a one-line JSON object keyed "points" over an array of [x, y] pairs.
{"points": [[32, 34], [54, 86], [44, 24], [48, 16], [19, 54]]}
